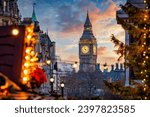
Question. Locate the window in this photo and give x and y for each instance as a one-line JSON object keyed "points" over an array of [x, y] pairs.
{"points": [[5, 4]]}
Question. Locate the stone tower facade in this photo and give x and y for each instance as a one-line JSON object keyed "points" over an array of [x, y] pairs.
{"points": [[87, 48]]}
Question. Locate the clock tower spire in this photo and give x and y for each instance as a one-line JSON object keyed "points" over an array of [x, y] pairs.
{"points": [[87, 48]]}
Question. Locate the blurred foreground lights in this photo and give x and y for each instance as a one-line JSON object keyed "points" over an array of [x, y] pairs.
{"points": [[32, 53], [27, 57], [29, 36], [25, 72], [15, 32], [26, 65], [25, 79]]}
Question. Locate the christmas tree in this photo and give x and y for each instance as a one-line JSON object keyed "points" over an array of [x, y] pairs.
{"points": [[137, 53]]}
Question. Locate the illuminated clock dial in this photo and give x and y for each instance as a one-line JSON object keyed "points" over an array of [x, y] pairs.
{"points": [[85, 49], [94, 50]]}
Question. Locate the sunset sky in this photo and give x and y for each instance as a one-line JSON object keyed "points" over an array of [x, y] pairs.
{"points": [[64, 20]]}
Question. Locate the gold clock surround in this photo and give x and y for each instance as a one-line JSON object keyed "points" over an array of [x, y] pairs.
{"points": [[85, 49], [94, 50]]}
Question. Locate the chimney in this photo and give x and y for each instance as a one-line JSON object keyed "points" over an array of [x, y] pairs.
{"points": [[97, 66], [112, 67], [121, 66], [117, 66]]}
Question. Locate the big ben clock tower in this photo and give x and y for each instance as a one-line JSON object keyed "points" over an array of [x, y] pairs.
{"points": [[87, 48]]}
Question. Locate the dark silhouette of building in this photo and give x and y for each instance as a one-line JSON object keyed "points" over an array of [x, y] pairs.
{"points": [[11, 52], [9, 12]]}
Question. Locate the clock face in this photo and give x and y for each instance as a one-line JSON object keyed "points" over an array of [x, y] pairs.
{"points": [[94, 50], [85, 49]]}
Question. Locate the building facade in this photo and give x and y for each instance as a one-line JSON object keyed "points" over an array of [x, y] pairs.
{"points": [[45, 49], [140, 4], [87, 48], [9, 12], [117, 73]]}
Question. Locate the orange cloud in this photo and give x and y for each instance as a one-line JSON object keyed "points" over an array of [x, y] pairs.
{"points": [[103, 27]]}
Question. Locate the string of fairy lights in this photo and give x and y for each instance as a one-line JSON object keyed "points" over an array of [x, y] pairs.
{"points": [[30, 57], [145, 52]]}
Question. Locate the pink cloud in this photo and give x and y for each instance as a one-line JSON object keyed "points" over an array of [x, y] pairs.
{"points": [[101, 50]]}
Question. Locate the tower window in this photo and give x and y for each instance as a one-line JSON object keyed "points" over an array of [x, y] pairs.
{"points": [[5, 4]]}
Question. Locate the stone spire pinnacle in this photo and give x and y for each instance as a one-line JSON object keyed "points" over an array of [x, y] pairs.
{"points": [[34, 18], [87, 33], [87, 22]]}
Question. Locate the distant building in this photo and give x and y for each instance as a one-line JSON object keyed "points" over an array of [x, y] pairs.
{"points": [[116, 74], [45, 49], [30, 20], [9, 12], [87, 48], [128, 38], [46, 52]]}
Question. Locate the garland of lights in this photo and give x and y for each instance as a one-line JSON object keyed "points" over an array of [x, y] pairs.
{"points": [[30, 57], [145, 52]]}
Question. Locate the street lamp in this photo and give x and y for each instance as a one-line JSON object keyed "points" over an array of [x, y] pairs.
{"points": [[51, 83], [105, 66], [62, 88], [75, 65], [15, 31], [48, 62]]}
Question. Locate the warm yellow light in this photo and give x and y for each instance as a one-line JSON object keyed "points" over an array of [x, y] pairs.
{"points": [[147, 57], [28, 50], [15, 32], [105, 66], [29, 37], [145, 98], [26, 65], [29, 29], [27, 57], [25, 79], [62, 85], [51, 79], [145, 16], [48, 62], [32, 53], [75, 65], [34, 59], [25, 72]]}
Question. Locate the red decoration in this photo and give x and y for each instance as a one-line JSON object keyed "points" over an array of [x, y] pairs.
{"points": [[39, 76]]}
